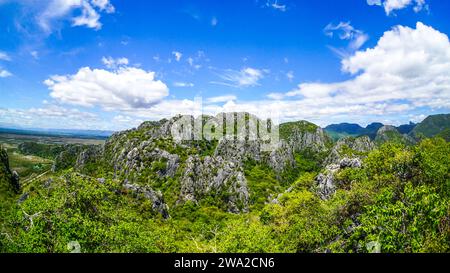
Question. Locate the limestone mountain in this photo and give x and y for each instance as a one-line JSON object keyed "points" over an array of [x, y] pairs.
{"points": [[194, 170]]}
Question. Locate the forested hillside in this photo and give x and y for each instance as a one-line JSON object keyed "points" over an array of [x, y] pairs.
{"points": [[144, 191]]}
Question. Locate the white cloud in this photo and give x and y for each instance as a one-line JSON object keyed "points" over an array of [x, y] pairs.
{"points": [[346, 31], [290, 75], [177, 55], [407, 69], [214, 21], [89, 17], [103, 5], [276, 96], [246, 77], [392, 5], [190, 61], [112, 63], [4, 56], [224, 98], [51, 116], [5, 73], [276, 5], [183, 84], [125, 88], [34, 54], [50, 12]]}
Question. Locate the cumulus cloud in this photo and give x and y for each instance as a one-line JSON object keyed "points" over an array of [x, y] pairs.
{"points": [[246, 77], [407, 69], [392, 5], [124, 88]]}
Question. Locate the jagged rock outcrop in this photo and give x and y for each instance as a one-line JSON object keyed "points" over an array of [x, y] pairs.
{"points": [[347, 153], [75, 155], [238, 151], [326, 184], [281, 158], [135, 158], [349, 147], [303, 135], [215, 176], [87, 157], [155, 197]]}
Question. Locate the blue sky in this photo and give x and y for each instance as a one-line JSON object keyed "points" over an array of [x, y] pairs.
{"points": [[111, 64]]}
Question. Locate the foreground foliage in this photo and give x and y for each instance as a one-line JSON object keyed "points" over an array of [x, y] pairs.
{"points": [[399, 201]]}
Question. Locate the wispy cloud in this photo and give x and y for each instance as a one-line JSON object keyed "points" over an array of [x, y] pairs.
{"points": [[246, 77], [183, 84], [276, 5], [49, 15], [345, 31], [4, 56], [214, 21], [224, 98], [5, 73]]}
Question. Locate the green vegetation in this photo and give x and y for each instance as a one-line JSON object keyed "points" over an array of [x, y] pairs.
{"points": [[398, 201], [49, 151], [287, 129], [432, 126]]}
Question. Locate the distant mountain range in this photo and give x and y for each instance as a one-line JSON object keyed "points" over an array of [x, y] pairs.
{"points": [[430, 127], [85, 134], [436, 125]]}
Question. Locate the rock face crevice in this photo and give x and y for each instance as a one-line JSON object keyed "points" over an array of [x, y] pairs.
{"points": [[215, 176]]}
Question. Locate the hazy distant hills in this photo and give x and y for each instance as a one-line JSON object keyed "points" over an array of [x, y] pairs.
{"points": [[430, 127], [436, 125], [88, 134], [337, 131]]}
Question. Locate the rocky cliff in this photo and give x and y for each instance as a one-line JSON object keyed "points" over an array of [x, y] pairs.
{"points": [[149, 159], [9, 180]]}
